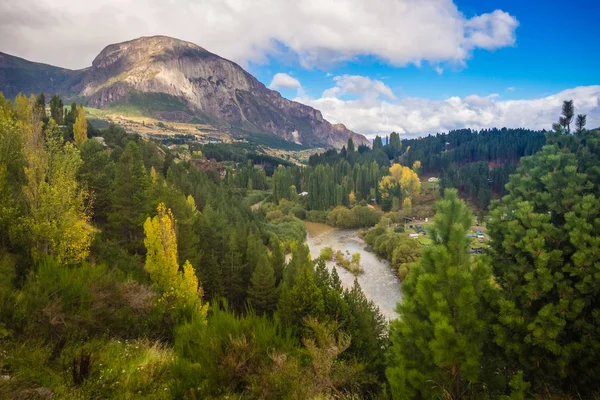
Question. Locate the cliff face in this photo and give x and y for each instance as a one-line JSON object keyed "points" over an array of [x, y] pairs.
{"points": [[180, 80]]}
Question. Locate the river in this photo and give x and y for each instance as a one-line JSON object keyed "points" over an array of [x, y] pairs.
{"points": [[379, 282]]}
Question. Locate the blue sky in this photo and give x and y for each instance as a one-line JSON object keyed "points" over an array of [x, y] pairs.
{"points": [[557, 47], [410, 66]]}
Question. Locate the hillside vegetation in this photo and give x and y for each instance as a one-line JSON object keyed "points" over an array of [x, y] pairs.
{"points": [[131, 269]]}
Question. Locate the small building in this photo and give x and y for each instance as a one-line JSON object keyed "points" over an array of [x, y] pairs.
{"points": [[414, 235], [304, 194], [433, 179]]}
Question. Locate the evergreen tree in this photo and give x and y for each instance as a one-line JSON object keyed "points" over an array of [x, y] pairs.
{"points": [[377, 143], [234, 272], [350, 146], [262, 293], [439, 337], [568, 111], [545, 239], [96, 174], [129, 198], [580, 123], [277, 260], [56, 109], [40, 102], [395, 142]]}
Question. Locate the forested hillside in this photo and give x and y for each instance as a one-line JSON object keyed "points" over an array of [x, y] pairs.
{"points": [[129, 269]]}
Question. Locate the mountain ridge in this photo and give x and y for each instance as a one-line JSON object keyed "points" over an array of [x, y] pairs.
{"points": [[191, 83]]}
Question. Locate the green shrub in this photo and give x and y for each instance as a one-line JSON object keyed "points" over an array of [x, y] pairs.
{"points": [[61, 303], [273, 215], [326, 253], [226, 355], [365, 216], [298, 212], [255, 196], [352, 266], [342, 217], [139, 369], [287, 230], [317, 216]]}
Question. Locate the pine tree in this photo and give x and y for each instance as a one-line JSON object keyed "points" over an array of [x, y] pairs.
{"points": [[56, 109], [96, 174], [368, 328], [438, 340], [377, 143], [129, 199], [568, 111], [277, 260], [580, 123], [350, 146], [262, 293], [545, 240]]}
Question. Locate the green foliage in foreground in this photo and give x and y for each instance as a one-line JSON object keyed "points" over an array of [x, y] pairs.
{"points": [[438, 342], [116, 319], [545, 252]]}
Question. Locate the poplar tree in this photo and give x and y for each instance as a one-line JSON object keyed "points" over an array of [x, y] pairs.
{"points": [[80, 127], [56, 222], [439, 337], [178, 288]]}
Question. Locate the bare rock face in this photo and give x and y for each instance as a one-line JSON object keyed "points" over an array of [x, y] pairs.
{"points": [[197, 83]]}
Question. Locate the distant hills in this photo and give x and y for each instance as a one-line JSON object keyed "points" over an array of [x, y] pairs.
{"points": [[174, 80]]}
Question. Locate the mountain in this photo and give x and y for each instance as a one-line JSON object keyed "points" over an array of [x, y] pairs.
{"points": [[175, 80]]}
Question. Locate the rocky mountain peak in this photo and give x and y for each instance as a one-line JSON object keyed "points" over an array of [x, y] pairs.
{"points": [[173, 79], [144, 49]]}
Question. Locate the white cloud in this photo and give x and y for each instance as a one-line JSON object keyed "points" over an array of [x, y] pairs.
{"points": [[510, 89], [284, 81], [491, 31], [439, 70], [417, 116], [400, 32], [357, 85]]}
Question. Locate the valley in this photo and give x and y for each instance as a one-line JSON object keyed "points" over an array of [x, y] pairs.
{"points": [[306, 200]]}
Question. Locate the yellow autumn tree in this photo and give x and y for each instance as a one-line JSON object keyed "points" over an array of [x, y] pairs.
{"points": [[401, 183], [56, 222], [417, 167], [80, 126], [387, 187], [178, 288], [410, 184]]}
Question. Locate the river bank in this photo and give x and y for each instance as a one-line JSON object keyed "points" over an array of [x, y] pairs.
{"points": [[379, 282]]}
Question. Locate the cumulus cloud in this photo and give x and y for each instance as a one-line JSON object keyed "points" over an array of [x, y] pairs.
{"points": [[361, 86], [284, 81], [418, 116], [399, 32]]}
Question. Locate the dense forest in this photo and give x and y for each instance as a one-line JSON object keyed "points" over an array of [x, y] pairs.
{"points": [[128, 272]]}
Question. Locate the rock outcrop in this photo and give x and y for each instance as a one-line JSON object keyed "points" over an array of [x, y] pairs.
{"points": [[174, 79]]}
